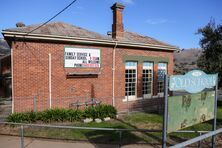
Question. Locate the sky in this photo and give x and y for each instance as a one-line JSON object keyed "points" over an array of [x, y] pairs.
{"points": [[172, 21]]}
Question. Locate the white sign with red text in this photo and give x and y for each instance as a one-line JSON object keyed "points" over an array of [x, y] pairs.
{"points": [[81, 57]]}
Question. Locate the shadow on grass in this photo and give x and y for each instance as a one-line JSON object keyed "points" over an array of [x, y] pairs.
{"points": [[95, 137], [219, 123], [152, 138], [112, 137]]}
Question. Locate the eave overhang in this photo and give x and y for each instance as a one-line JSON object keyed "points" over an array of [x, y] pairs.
{"points": [[81, 40]]}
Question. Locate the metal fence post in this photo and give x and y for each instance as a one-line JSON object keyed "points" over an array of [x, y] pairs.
{"points": [[215, 114], [34, 103], [127, 103], [165, 117], [120, 139], [199, 143], [22, 136]]}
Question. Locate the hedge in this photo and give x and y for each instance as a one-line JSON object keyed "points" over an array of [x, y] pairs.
{"points": [[61, 115]]}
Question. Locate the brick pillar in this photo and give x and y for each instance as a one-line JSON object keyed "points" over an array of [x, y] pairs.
{"points": [[155, 78], [139, 80]]}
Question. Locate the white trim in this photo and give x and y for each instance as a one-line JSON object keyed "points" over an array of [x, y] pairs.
{"points": [[12, 75], [160, 94], [132, 98], [113, 74], [147, 96], [85, 40]]}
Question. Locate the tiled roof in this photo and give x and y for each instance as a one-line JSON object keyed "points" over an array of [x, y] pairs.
{"points": [[63, 29], [137, 38], [59, 28]]}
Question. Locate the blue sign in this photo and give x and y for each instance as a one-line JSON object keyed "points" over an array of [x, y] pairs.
{"points": [[193, 82]]}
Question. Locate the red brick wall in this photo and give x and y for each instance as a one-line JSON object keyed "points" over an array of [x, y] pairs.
{"points": [[30, 76]]}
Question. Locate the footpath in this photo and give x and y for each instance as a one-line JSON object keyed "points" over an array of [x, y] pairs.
{"points": [[13, 142]]}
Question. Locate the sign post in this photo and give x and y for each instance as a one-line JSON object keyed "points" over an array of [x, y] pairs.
{"points": [[196, 107], [165, 117], [215, 114]]}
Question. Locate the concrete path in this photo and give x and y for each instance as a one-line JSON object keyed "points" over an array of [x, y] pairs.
{"points": [[14, 142]]}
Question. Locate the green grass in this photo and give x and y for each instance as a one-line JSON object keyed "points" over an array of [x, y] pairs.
{"points": [[137, 120]]}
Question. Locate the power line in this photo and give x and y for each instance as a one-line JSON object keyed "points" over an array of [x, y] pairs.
{"points": [[52, 17]]}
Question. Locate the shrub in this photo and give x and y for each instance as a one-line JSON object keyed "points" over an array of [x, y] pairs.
{"points": [[53, 115], [27, 117], [89, 112], [74, 115], [109, 111], [99, 111]]}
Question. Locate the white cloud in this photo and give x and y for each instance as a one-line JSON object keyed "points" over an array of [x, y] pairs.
{"points": [[156, 21]]}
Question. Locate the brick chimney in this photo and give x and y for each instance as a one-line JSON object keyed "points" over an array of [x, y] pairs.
{"points": [[117, 26]]}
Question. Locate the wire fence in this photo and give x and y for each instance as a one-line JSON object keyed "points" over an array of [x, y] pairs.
{"points": [[118, 136]]}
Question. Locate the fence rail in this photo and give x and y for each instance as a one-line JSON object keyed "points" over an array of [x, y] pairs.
{"points": [[194, 140], [118, 130]]}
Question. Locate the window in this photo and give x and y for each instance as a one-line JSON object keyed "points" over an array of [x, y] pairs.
{"points": [[162, 70], [130, 79], [147, 79]]}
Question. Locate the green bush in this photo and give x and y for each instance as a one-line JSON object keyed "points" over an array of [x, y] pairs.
{"points": [[100, 111], [89, 112], [74, 115], [109, 111], [26, 117], [60, 115], [53, 115]]}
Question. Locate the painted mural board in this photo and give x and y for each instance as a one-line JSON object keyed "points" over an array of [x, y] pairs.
{"points": [[188, 110], [193, 82], [81, 57]]}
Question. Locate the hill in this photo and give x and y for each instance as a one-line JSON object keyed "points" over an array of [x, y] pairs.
{"points": [[186, 60]]}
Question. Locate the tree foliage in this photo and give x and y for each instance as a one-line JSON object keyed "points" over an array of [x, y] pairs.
{"points": [[211, 43]]}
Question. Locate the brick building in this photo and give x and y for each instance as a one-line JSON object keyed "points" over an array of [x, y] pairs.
{"points": [[59, 64]]}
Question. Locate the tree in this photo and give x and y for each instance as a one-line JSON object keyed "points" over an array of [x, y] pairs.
{"points": [[210, 60]]}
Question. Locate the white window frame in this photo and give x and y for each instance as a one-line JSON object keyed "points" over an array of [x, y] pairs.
{"points": [[148, 66], [162, 66], [131, 65]]}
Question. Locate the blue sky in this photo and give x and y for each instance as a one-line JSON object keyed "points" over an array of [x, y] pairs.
{"points": [[171, 21]]}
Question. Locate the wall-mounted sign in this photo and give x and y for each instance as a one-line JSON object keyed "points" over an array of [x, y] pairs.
{"points": [[193, 82], [81, 57], [188, 110]]}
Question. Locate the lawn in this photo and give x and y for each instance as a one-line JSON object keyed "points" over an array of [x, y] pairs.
{"points": [[139, 120]]}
